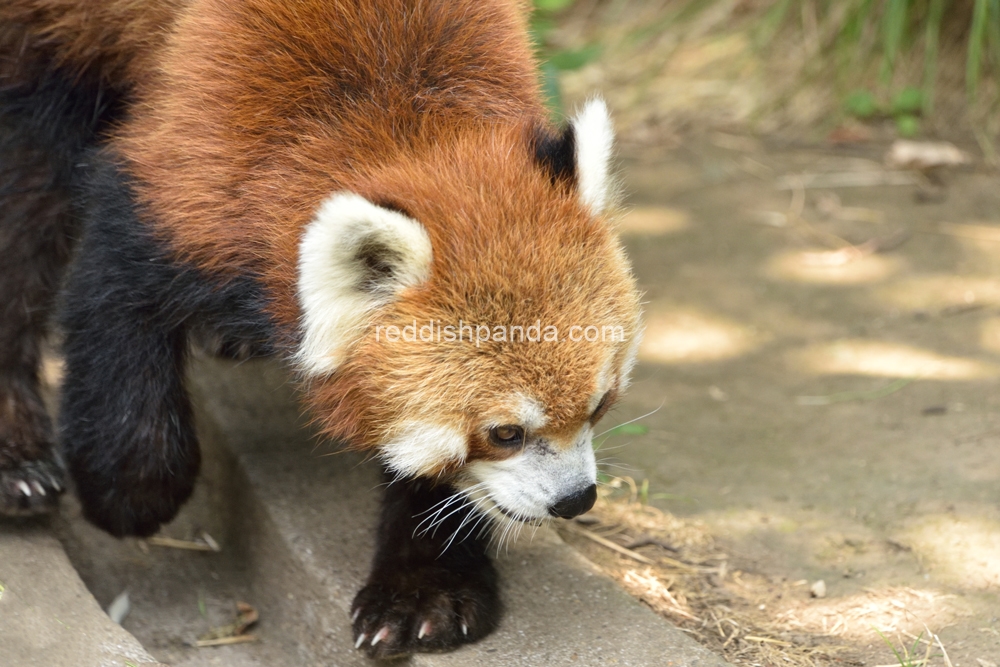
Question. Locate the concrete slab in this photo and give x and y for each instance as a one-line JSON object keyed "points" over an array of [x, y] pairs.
{"points": [[306, 524], [47, 616]]}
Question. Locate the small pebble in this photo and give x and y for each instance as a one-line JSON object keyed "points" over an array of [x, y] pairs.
{"points": [[818, 589], [119, 608]]}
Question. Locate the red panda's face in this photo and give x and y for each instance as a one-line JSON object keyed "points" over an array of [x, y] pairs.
{"points": [[469, 314]]}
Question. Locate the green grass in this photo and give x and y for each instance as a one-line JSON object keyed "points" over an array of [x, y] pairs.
{"points": [[907, 656], [888, 30]]}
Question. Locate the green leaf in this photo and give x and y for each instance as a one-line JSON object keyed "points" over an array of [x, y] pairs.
{"points": [[552, 5], [908, 101], [861, 104], [907, 126], [629, 429]]}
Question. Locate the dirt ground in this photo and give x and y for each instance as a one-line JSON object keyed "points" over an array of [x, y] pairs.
{"points": [[817, 398]]}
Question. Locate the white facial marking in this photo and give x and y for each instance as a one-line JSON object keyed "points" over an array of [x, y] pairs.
{"points": [[336, 288], [628, 363], [530, 413], [605, 380], [594, 142], [527, 485], [421, 448]]}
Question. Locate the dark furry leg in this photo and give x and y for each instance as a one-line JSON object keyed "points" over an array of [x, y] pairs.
{"points": [[125, 418], [421, 596], [35, 226], [47, 120]]}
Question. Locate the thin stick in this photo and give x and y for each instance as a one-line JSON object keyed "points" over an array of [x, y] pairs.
{"points": [[609, 544], [766, 640], [947, 660], [225, 641], [178, 544]]}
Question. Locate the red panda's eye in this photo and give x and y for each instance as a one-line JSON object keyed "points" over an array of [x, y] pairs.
{"points": [[507, 435]]}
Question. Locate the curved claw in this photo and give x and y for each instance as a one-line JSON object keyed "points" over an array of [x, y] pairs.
{"points": [[382, 634]]}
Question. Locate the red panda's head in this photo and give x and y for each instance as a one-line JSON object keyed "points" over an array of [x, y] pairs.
{"points": [[468, 312]]}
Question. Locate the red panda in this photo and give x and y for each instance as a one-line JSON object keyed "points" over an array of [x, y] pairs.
{"points": [[304, 179]]}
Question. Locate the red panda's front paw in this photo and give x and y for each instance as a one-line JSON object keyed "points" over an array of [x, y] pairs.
{"points": [[426, 610]]}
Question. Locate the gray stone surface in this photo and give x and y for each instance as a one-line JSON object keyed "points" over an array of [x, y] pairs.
{"points": [[47, 616], [306, 529]]}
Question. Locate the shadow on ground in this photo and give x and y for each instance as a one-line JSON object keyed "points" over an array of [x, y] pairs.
{"points": [[822, 369]]}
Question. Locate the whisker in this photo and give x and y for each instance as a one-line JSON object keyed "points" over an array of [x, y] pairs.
{"points": [[451, 497], [486, 526], [631, 421], [600, 446], [503, 535], [474, 511], [436, 518], [437, 524], [626, 468]]}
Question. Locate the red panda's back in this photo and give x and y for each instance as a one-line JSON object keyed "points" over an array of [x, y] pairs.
{"points": [[260, 109], [112, 40]]}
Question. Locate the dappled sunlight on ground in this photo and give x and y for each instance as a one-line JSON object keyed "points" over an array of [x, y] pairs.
{"points": [[989, 334], [889, 610], [829, 407], [940, 291], [962, 550], [687, 336], [883, 359], [831, 268]]}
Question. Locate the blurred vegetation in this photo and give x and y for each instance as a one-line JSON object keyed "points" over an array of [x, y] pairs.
{"points": [[552, 59], [876, 60], [858, 32]]}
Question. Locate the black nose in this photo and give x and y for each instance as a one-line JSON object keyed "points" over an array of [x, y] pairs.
{"points": [[576, 504]]}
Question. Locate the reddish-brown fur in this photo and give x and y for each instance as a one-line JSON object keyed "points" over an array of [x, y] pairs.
{"points": [[510, 254], [247, 115], [116, 40]]}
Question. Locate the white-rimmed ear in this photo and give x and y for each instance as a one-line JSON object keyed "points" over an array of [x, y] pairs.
{"points": [[594, 137], [353, 258]]}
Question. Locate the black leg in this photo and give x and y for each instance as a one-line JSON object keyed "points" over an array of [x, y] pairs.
{"points": [[421, 596], [32, 255], [43, 125], [125, 418]]}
